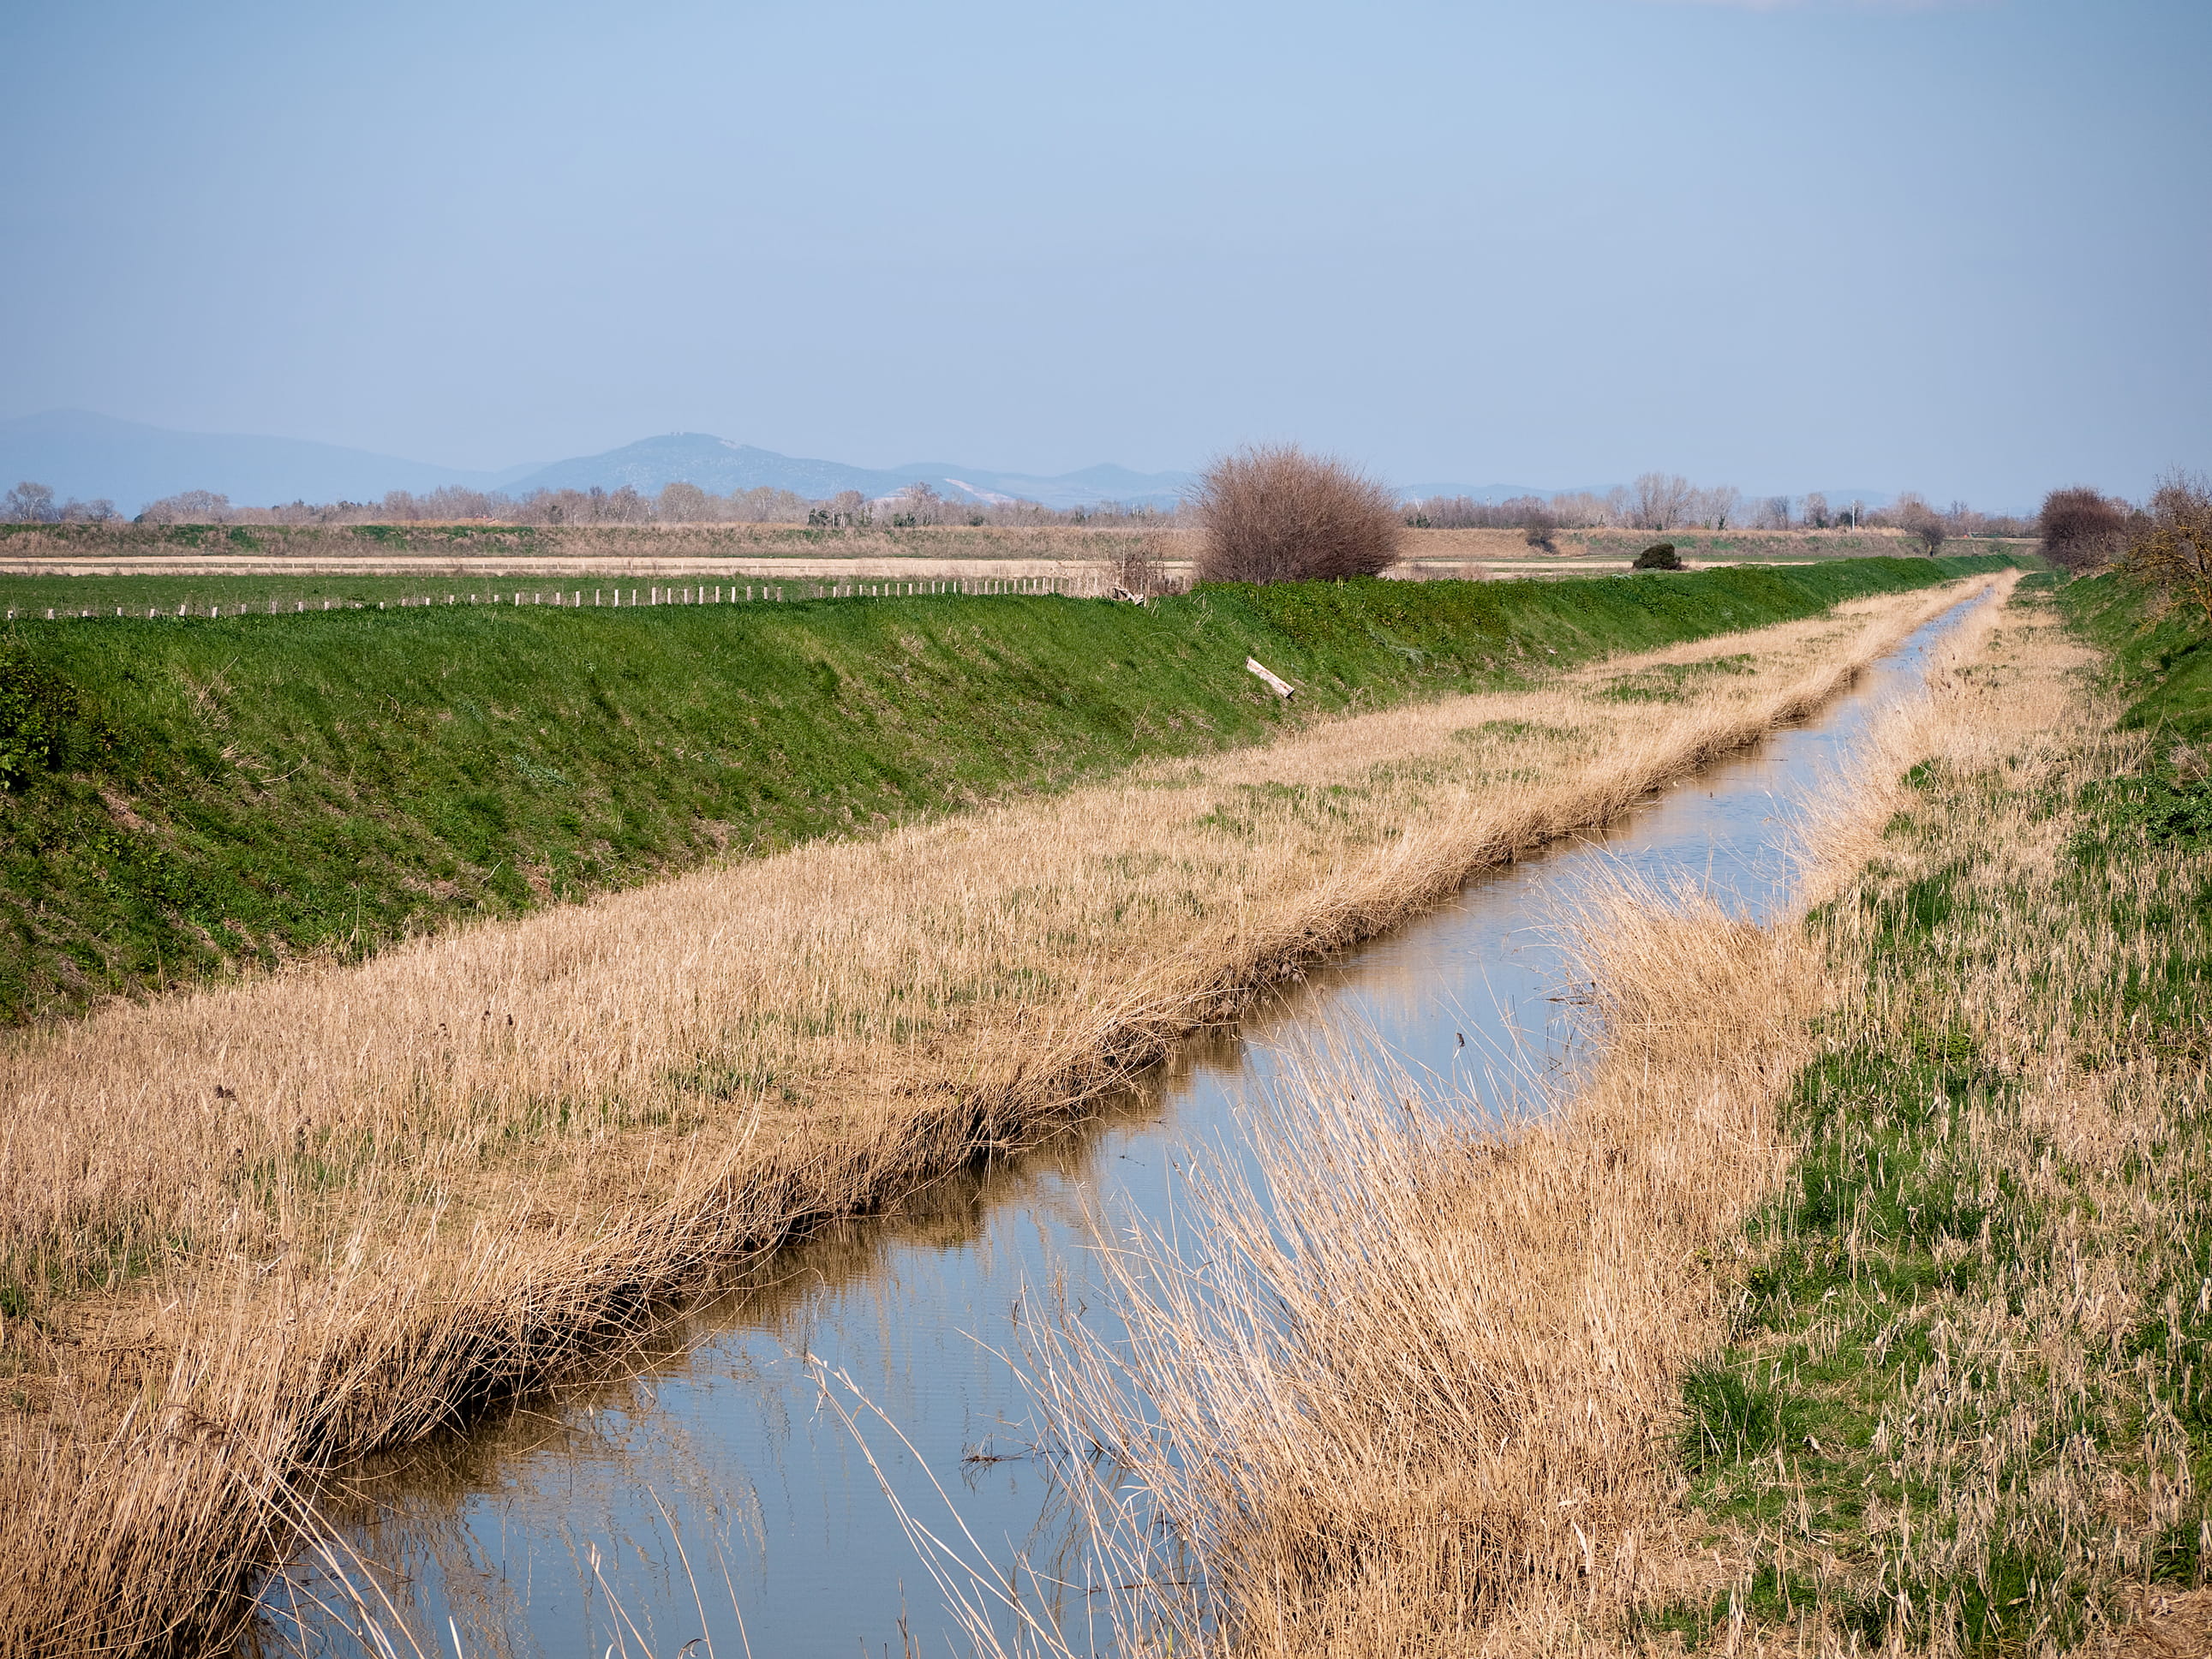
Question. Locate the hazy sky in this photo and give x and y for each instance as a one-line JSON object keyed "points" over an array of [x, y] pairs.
{"points": [[1958, 248]]}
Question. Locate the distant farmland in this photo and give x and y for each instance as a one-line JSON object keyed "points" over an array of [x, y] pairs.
{"points": [[796, 552]]}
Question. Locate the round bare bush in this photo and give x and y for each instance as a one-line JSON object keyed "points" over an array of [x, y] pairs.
{"points": [[2083, 529], [1274, 513]]}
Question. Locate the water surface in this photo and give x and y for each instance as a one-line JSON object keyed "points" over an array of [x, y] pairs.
{"points": [[714, 1499]]}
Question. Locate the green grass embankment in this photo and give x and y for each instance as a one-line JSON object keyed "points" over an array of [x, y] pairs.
{"points": [[2161, 653], [188, 795], [1965, 1407]]}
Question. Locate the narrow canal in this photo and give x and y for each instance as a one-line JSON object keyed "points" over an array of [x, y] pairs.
{"points": [[715, 1497]]}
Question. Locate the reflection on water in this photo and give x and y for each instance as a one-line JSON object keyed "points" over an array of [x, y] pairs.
{"points": [[709, 1494]]}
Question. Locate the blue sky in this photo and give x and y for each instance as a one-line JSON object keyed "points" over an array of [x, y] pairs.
{"points": [[1956, 248]]}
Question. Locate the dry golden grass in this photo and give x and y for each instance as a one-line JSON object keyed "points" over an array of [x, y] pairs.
{"points": [[1419, 1393], [1407, 1403], [268, 1226]]}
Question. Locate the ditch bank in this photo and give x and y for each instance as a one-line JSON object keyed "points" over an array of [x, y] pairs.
{"points": [[187, 798]]}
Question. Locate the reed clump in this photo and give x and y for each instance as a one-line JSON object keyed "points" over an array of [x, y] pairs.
{"points": [[254, 1231], [1412, 1392]]}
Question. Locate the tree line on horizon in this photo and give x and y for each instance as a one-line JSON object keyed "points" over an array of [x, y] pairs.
{"points": [[1660, 501], [1656, 501], [1275, 513], [679, 503]]}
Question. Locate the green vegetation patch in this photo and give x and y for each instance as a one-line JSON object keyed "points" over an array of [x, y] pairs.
{"points": [[180, 796], [1964, 1401], [1672, 681], [2160, 652]]}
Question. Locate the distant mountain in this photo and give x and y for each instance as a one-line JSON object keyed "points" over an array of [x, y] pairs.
{"points": [[79, 453], [720, 465]]}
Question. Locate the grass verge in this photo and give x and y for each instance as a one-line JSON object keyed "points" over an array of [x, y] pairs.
{"points": [[1962, 1408]]}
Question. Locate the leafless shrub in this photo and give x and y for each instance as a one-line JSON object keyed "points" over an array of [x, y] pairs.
{"points": [[1136, 568], [2175, 548], [2083, 529], [1660, 501], [1273, 512]]}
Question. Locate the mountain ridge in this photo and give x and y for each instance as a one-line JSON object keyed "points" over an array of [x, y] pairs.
{"points": [[81, 454], [89, 456], [721, 465]]}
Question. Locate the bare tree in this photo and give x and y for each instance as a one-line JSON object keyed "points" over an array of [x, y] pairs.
{"points": [[1714, 507], [1774, 512], [1529, 513], [1660, 501], [917, 503], [1910, 512], [1273, 512], [684, 503], [31, 503], [2174, 548], [1816, 510], [766, 505], [845, 510]]}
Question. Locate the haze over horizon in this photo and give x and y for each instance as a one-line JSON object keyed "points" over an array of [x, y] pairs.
{"points": [[1951, 248]]}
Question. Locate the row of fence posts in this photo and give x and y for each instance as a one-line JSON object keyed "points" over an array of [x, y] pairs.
{"points": [[1087, 587]]}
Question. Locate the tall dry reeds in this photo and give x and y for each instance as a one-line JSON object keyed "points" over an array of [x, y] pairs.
{"points": [[1413, 1387], [1273, 512], [1419, 1391], [260, 1229]]}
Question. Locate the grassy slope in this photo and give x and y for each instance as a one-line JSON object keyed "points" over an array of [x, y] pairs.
{"points": [[1930, 1257], [2161, 657], [193, 793]]}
